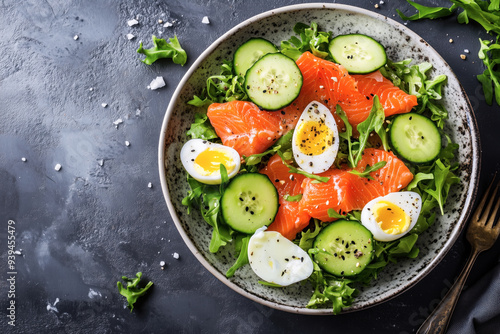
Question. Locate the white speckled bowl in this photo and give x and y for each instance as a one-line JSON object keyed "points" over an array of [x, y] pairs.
{"points": [[277, 25]]}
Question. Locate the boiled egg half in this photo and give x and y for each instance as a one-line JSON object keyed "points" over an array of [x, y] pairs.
{"points": [[276, 259], [315, 141], [392, 216], [202, 160]]}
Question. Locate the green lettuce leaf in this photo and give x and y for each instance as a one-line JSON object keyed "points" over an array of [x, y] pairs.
{"points": [[369, 169], [164, 49], [201, 128], [131, 291], [241, 249], [310, 40], [425, 12]]}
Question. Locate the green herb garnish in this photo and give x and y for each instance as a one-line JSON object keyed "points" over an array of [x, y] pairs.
{"points": [[131, 291], [369, 169], [164, 49]]}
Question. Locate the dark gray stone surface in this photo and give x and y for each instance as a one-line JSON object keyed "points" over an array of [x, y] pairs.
{"points": [[80, 229]]}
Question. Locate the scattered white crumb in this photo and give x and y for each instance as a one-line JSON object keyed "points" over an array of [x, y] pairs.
{"points": [[158, 82], [451, 40], [150, 185], [406, 23], [205, 20], [130, 36], [334, 79], [52, 307], [127, 143], [162, 263], [58, 167], [118, 122], [138, 112], [92, 294], [104, 105], [91, 88], [176, 256], [376, 5], [100, 162], [17, 252], [132, 22], [23, 159], [466, 51], [168, 24], [381, 2], [321, 87], [160, 21], [75, 37]]}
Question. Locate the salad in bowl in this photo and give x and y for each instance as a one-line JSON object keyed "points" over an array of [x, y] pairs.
{"points": [[318, 162]]}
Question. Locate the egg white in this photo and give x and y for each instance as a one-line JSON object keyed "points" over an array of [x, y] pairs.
{"points": [[276, 259], [409, 201], [316, 112], [194, 147]]}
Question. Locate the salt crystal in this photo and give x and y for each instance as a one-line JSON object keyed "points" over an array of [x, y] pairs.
{"points": [[162, 263], [100, 162], [138, 112], [157, 83], [75, 37], [150, 185], [130, 36], [23, 159], [160, 21], [381, 2], [205, 20], [58, 167], [168, 24], [176, 256], [104, 105], [466, 51], [118, 122], [91, 89], [132, 22], [127, 143]]}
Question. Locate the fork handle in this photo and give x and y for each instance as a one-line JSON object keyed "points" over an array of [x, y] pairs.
{"points": [[439, 319]]}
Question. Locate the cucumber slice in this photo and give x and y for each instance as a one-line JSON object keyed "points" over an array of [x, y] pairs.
{"points": [[358, 53], [273, 82], [415, 138], [345, 248], [251, 51], [250, 201]]}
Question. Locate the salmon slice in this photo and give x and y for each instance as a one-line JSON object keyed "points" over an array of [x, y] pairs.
{"points": [[244, 127], [345, 192], [289, 220], [393, 99], [331, 84]]}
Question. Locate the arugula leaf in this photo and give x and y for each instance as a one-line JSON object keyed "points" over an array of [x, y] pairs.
{"points": [[425, 12], [489, 20], [299, 171], [131, 291], [347, 134], [295, 198], [334, 214], [241, 249], [369, 169], [443, 179], [164, 49], [201, 128], [207, 199], [310, 40], [490, 78], [417, 178], [272, 285], [307, 237], [374, 122]]}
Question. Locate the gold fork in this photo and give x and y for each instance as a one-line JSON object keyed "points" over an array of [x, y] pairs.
{"points": [[482, 233]]}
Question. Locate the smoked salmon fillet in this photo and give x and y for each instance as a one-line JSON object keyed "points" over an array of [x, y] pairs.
{"points": [[345, 192], [288, 221], [244, 127]]}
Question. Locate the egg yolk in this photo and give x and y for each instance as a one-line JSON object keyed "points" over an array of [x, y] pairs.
{"points": [[391, 218], [313, 137], [208, 162]]}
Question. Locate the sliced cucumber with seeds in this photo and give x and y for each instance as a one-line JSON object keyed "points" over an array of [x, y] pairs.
{"points": [[345, 248], [273, 82], [415, 138], [358, 53], [251, 51], [250, 201]]}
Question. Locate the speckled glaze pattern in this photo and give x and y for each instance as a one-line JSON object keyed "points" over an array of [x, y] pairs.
{"points": [[400, 43]]}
